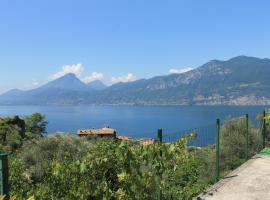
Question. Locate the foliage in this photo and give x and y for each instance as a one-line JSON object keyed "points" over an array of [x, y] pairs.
{"points": [[14, 131], [232, 149], [233, 143], [207, 158], [14, 121], [267, 118], [14, 198], [67, 167], [10, 138], [19, 180], [35, 125], [267, 128]]}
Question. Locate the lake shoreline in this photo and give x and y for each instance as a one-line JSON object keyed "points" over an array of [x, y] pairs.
{"points": [[136, 120]]}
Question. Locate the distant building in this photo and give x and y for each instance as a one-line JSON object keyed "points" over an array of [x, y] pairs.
{"points": [[126, 138], [111, 133], [147, 141], [102, 132], [141, 141]]}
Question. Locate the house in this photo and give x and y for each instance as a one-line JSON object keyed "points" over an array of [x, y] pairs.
{"points": [[141, 141], [102, 132]]}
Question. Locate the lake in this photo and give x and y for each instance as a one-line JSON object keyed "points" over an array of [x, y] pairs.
{"points": [[138, 121]]}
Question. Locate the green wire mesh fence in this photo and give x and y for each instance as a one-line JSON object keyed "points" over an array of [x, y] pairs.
{"points": [[202, 136], [223, 146], [219, 147]]}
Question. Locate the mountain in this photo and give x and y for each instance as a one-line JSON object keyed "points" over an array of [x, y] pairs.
{"points": [[97, 85], [241, 80], [11, 95], [67, 82], [65, 90]]}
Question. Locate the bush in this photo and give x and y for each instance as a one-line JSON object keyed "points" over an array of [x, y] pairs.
{"points": [[207, 158], [68, 167], [233, 143], [14, 131]]}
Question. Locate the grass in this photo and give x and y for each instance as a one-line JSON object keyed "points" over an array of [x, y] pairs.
{"points": [[265, 152]]}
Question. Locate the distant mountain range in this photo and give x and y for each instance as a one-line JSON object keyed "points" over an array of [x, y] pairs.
{"points": [[239, 81]]}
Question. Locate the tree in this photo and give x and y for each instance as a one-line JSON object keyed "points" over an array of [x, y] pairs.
{"points": [[36, 125], [10, 137]]}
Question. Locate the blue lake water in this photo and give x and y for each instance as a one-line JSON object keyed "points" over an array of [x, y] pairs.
{"points": [[139, 121]]}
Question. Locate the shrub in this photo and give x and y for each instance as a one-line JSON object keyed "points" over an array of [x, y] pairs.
{"points": [[67, 167], [233, 143]]}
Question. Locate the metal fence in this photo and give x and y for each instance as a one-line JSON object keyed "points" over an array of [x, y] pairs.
{"points": [[227, 143]]}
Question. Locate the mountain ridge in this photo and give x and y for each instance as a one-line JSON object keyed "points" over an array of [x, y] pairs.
{"points": [[97, 85], [241, 80]]}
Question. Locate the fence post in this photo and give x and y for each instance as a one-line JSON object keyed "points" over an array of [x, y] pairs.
{"points": [[160, 139], [4, 189], [247, 141], [217, 151], [264, 129]]}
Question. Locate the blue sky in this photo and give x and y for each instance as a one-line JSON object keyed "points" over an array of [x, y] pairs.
{"points": [[123, 40]]}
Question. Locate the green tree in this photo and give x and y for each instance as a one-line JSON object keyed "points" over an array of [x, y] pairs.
{"points": [[10, 137], [35, 125]]}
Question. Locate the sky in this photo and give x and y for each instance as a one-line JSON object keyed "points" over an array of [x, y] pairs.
{"points": [[124, 40]]}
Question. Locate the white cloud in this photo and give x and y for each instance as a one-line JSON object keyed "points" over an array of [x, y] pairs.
{"points": [[128, 78], [35, 83], [93, 77], [76, 69], [180, 70], [31, 85]]}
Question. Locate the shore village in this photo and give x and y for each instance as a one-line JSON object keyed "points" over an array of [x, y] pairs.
{"points": [[112, 133]]}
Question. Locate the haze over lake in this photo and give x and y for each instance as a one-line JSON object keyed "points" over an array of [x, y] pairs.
{"points": [[139, 121]]}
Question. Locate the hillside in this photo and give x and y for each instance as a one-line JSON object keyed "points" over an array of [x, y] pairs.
{"points": [[97, 85], [239, 81]]}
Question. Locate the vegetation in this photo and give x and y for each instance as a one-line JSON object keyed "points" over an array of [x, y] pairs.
{"points": [[233, 143], [13, 131], [35, 125], [69, 167], [232, 148]]}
